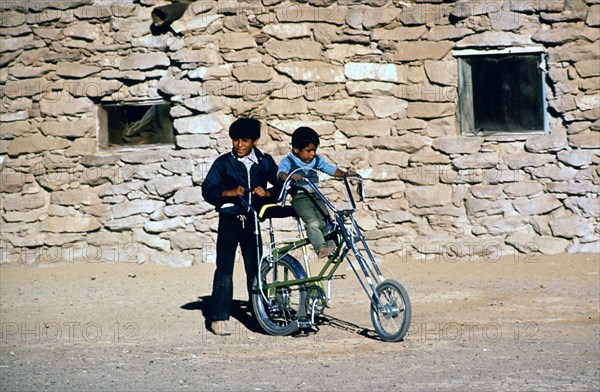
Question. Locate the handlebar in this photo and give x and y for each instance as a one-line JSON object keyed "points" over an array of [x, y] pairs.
{"points": [[288, 184]]}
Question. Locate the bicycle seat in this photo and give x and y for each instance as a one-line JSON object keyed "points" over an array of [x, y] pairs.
{"points": [[269, 211]]}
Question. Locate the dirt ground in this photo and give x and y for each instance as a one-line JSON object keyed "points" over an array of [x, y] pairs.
{"points": [[512, 324]]}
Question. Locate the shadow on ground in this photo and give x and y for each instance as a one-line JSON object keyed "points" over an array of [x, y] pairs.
{"points": [[240, 310]]}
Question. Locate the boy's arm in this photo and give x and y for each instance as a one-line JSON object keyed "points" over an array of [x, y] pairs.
{"points": [[212, 186]]}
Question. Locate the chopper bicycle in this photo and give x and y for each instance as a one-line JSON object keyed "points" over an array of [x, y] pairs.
{"points": [[287, 297]]}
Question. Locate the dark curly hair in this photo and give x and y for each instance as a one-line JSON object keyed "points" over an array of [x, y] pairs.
{"points": [[304, 136], [245, 128]]}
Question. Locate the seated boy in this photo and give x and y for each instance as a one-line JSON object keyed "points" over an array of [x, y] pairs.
{"points": [[305, 142]]}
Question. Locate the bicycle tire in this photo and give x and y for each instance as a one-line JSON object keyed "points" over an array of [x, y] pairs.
{"points": [[391, 323], [278, 315]]}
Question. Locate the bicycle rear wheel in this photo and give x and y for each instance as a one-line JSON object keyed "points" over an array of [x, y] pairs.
{"points": [[277, 309], [392, 320]]}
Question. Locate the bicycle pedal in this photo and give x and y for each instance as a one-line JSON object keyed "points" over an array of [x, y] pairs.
{"points": [[304, 323], [342, 276]]}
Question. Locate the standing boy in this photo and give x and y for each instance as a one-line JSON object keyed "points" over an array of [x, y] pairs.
{"points": [[305, 142], [240, 174]]}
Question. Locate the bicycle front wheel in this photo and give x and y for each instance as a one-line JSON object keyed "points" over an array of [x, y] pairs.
{"points": [[392, 319], [276, 309]]}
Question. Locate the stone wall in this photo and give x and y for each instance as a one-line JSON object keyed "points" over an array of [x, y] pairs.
{"points": [[376, 78]]}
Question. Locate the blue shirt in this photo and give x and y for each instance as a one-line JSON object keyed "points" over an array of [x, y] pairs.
{"points": [[291, 162]]}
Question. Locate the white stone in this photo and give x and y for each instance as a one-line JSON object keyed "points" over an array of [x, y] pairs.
{"points": [[205, 124], [375, 72]]}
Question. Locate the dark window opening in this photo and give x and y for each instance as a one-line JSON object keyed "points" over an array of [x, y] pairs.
{"points": [[135, 125], [502, 93]]}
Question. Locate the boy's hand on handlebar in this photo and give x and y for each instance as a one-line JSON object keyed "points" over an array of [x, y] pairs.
{"points": [[260, 192], [296, 177], [237, 191]]}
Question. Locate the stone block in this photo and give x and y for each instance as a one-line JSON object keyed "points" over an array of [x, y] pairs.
{"points": [[164, 225], [509, 225], [494, 39], [207, 124], [151, 241], [135, 207], [72, 129], [476, 161], [284, 31], [429, 196], [376, 72], [521, 160], [546, 143], [165, 186], [186, 209], [570, 227], [366, 89], [180, 166], [253, 73], [378, 127], [126, 224], [593, 16], [554, 172], [409, 143], [205, 103], [179, 87], [236, 41], [81, 147], [210, 73], [294, 49], [429, 110], [144, 61], [35, 144], [382, 107], [64, 104], [573, 188], [16, 201], [563, 35], [323, 128], [20, 43], [532, 245], [450, 33], [198, 56], [70, 224], [422, 50], [75, 197], [487, 207], [294, 13], [399, 33], [538, 205], [312, 71], [192, 141], [457, 145], [190, 195], [286, 107], [523, 189], [442, 72], [75, 70], [337, 107], [576, 158], [195, 23], [585, 140], [590, 247]]}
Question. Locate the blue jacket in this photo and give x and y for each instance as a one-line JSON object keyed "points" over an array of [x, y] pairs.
{"points": [[227, 173]]}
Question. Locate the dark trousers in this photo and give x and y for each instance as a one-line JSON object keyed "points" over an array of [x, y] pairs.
{"points": [[233, 230]]}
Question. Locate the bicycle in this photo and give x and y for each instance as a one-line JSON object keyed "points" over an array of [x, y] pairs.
{"points": [[287, 297]]}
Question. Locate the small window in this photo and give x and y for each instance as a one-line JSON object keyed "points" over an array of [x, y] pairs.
{"points": [[132, 125], [502, 91]]}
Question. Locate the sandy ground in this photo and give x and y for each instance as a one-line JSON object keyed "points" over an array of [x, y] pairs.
{"points": [[512, 324]]}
